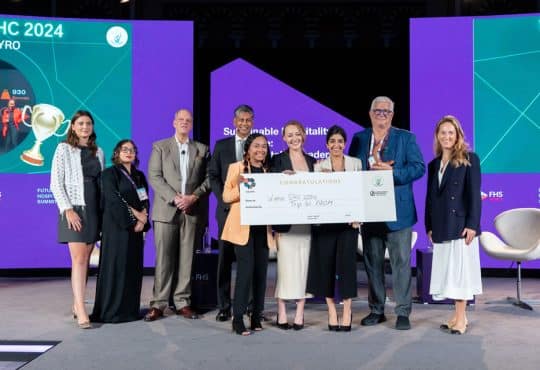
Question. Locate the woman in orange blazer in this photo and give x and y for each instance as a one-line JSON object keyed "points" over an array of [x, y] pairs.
{"points": [[251, 243]]}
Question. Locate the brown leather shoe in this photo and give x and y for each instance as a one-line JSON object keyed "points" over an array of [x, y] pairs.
{"points": [[187, 312], [153, 314]]}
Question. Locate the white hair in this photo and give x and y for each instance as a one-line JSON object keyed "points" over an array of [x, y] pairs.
{"points": [[382, 99]]}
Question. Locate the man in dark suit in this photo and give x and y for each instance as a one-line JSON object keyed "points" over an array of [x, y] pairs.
{"points": [[178, 173], [383, 147], [227, 151]]}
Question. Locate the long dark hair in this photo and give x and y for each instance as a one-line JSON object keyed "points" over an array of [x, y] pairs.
{"points": [[247, 144], [72, 138], [116, 152]]}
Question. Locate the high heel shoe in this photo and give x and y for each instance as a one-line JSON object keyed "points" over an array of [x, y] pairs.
{"points": [[346, 327], [332, 327], [297, 327], [459, 331], [450, 324], [282, 326], [256, 323], [84, 325], [239, 328]]}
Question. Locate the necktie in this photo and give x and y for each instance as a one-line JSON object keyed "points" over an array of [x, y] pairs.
{"points": [[240, 150]]}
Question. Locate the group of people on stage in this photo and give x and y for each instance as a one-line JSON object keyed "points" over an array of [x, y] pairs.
{"points": [[182, 173], [12, 130]]}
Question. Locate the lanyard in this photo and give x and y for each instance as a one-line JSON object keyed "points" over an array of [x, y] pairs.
{"points": [[129, 178]]}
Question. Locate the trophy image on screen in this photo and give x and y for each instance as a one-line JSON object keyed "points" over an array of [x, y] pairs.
{"points": [[45, 120]]}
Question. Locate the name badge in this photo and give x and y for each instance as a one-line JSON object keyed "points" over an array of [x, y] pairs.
{"points": [[371, 161], [141, 192]]}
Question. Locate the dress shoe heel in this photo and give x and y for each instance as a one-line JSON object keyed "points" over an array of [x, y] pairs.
{"points": [[223, 315], [332, 327], [84, 325], [297, 327], [346, 327], [373, 319], [256, 323], [239, 328], [283, 326], [187, 312], [153, 314], [458, 331]]}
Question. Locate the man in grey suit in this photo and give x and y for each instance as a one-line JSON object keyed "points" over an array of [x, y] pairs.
{"points": [[178, 173]]}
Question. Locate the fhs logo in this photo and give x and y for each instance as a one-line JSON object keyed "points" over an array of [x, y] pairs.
{"points": [[250, 183], [492, 196]]}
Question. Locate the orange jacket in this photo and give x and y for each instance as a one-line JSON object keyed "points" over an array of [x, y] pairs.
{"points": [[233, 232], [17, 118]]}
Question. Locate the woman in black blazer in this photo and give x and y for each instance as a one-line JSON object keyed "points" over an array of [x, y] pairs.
{"points": [[452, 221], [293, 242]]}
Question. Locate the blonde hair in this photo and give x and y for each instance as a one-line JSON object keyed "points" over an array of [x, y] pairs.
{"points": [[296, 124], [459, 155]]}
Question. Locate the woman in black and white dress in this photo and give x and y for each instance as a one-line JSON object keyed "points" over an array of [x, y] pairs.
{"points": [[452, 221], [75, 174]]}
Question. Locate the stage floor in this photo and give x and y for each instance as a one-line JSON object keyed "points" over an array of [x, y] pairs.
{"points": [[500, 336]]}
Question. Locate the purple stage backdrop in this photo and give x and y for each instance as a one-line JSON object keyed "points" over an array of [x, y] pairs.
{"points": [[274, 103], [161, 82], [442, 82]]}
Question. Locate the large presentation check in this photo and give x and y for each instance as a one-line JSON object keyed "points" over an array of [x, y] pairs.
{"points": [[317, 198]]}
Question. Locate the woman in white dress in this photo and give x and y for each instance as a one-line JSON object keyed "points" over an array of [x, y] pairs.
{"points": [[293, 241], [452, 221]]}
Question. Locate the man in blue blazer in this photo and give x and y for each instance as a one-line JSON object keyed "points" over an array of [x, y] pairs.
{"points": [[383, 147]]}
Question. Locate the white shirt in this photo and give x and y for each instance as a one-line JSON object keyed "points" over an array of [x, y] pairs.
{"points": [[67, 181], [239, 145], [183, 154]]}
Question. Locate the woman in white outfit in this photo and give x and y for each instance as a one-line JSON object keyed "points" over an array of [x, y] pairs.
{"points": [[293, 241], [452, 219]]}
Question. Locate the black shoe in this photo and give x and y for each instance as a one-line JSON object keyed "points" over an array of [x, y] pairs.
{"points": [[445, 327], [256, 323], [223, 315], [373, 319], [297, 327], [403, 323], [332, 327], [346, 328], [239, 328], [283, 326]]}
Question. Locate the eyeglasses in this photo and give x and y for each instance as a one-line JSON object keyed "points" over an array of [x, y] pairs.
{"points": [[128, 150], [382, 112]]}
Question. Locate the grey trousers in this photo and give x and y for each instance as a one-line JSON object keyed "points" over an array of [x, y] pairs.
{"points": [[399, 251], [174, 257]]}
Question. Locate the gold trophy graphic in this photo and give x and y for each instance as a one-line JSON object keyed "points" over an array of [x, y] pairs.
{"points": [[46, 119]]}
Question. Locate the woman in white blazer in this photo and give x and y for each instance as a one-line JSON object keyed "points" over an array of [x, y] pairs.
{"points": [[75, 176]]}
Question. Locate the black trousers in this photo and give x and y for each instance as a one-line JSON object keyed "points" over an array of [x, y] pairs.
{"points": [[224, 267], [251, 267], [333, 252]]}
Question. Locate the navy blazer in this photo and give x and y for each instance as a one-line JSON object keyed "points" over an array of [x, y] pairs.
{"points": [[224, 154], [455, 204], [282, 162], [408, 166]]}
